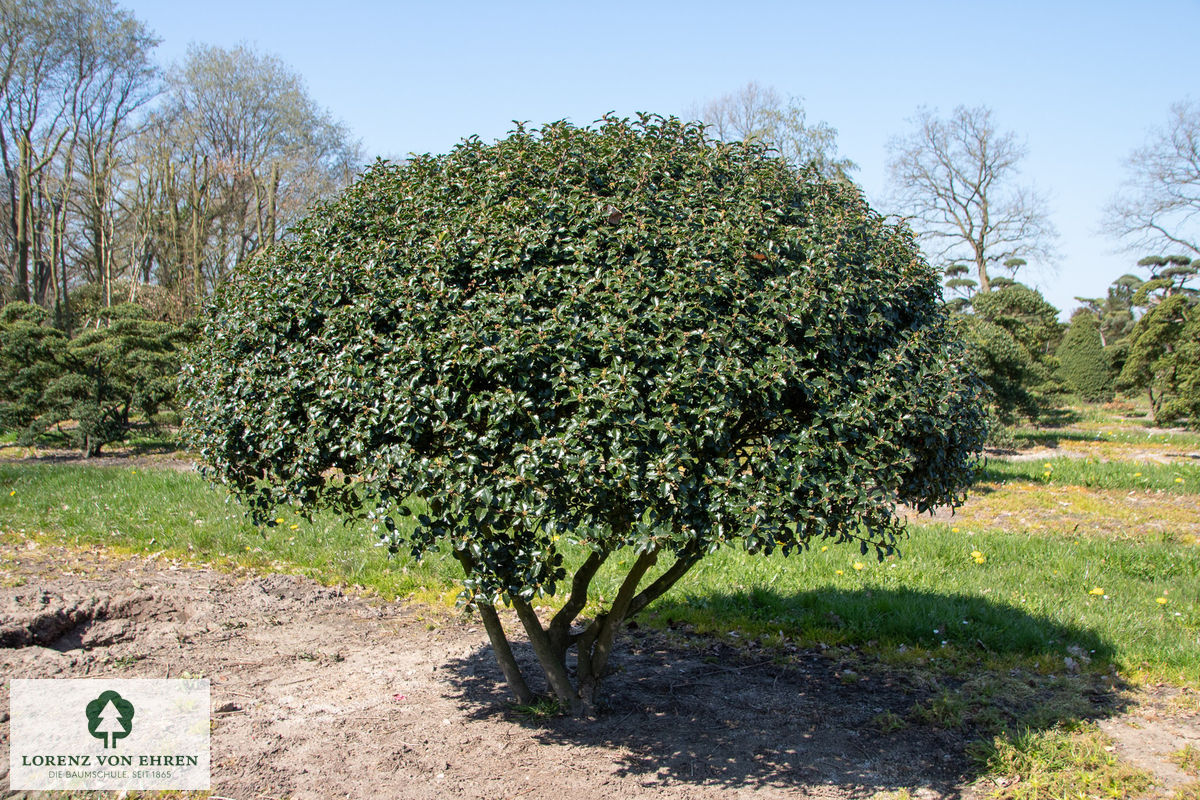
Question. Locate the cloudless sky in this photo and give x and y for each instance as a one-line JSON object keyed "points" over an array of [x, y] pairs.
{"points": [[1081, 82]]}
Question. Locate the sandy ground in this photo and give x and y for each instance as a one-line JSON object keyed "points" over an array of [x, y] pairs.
{"points": [[320, 695]]}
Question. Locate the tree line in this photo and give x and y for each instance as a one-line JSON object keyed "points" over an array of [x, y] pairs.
{"points": [[130, 191]]}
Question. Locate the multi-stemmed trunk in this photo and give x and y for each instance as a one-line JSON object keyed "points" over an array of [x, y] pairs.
{"points": [[593, 643]]}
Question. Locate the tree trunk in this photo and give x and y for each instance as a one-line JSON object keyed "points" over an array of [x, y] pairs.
{"points": [[594, 644], [24, 189], [500, 645], [504, 655]]}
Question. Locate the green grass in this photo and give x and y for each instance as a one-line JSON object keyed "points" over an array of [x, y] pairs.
{"points": [[1063, 762], [1029, 599], [1051, 436], [181, 515], [1179, 478], [1188, 759]]}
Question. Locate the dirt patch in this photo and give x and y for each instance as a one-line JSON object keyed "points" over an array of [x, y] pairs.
{"points": [[317, 694], [1165, 721], [1079, 510], [118, 457], [1103, 451]]}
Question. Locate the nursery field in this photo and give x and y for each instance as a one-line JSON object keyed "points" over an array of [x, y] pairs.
{"points": [[1044, 641]]}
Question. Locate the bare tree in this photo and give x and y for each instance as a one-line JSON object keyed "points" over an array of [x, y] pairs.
{"points": [[74, 78], [755, 113], [953, 181], [1158, 206], [113, 80], [32, 55], [241, 152]]}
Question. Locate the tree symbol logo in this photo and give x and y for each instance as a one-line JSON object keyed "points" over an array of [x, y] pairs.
{"points": [[110, 717]]}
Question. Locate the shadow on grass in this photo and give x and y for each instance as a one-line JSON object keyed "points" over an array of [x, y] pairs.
{"points": [[142, 440], [1059, 417], [858, 694]]}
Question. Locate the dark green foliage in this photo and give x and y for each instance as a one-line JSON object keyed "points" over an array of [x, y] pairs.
{"points": [[1011, 333], [121, 363], [1004, 366], [29, 352], [1116, 318], [630, 336], [1082, 362], [1164, 359]]}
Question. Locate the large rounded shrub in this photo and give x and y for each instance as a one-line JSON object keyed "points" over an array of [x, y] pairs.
{"points": [[629, 336]]}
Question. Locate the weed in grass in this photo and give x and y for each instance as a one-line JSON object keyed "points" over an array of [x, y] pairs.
{"points": [[888, 722], [126, 661], [1074, 760], [1056, 510], [1188, 759], [1189, 791], [1177, 478], [944, 711], [539, 709]]}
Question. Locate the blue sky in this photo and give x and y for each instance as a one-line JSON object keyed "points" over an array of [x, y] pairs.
{"points": [[1082, 83]]}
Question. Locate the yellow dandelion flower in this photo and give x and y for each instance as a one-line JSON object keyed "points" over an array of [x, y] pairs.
{"points": [[954, 530], [294, 527], [858, 565], [1179, 480], [976, 554], [1048, 466], [280, 521], [13, 492], [1137, 474], [981, 559], [839, 572], [1162, 601], [1097, 591], [824, 547]]}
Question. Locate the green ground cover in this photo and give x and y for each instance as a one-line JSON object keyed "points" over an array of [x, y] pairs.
{"points": [[1135, 603], [1178, 477]]}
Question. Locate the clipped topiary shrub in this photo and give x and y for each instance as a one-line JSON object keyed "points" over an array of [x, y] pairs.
{"points": [[1082, 362], [629, 337]]}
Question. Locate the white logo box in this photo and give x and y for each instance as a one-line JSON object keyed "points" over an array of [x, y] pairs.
{"points": [[150, 734]]}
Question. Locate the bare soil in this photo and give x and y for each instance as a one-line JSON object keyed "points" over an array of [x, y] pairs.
{"points": [[318, 694]]}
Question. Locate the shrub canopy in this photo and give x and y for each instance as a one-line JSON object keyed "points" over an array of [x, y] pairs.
{"points": [[623, 336], [1082, 361]]}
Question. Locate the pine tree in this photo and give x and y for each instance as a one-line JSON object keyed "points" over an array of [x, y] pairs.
{"points": [[1083, 364]]}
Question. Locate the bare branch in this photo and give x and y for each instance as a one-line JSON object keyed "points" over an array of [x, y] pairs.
{"points": [[952, 182], [1158, 205]]}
